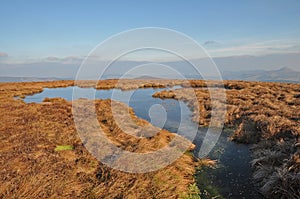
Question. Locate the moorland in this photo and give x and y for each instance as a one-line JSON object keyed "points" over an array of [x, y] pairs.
{"points": [[33, 137]]}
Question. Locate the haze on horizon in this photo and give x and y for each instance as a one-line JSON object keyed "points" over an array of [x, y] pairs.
{"points": [[51, 38]]}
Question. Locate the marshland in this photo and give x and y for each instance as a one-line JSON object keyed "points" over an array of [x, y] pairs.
{"points": [[257, 154], [150, 99]]}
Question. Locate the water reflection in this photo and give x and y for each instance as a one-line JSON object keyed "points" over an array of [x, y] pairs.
{"points": [[232, 177]]}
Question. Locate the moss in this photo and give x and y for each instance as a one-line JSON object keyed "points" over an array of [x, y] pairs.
{"points": [[63, 148], [207, 189], [192, 193]]}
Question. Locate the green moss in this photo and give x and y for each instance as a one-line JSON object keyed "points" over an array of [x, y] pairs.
{"points": [[207, 189], [189, 153], [63, 147], [192, 193]]}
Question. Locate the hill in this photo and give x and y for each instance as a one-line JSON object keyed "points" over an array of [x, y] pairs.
{"points": [[284, 74]]}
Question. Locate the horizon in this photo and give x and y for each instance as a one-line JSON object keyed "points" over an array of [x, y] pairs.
{"points": [[150, 99]]}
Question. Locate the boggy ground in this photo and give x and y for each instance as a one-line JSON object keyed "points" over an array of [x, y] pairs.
{"points": [[264, 114], [32, 168]]}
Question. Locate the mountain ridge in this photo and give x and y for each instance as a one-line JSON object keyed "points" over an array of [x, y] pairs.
{"points": [[284, 74]]}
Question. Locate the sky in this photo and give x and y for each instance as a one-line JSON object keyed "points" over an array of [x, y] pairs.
{"points": [[35, 31]]}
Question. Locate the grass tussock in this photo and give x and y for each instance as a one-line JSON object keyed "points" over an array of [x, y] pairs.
{"points": [[32, 168], [264, 114]]}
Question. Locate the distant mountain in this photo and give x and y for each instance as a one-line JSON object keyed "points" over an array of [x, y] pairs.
{"points": [[27, 79], [147, 77], [284, 74], [45, 69]]}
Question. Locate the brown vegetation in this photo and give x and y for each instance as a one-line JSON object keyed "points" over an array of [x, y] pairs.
{"points": [[127, 84], [265, 114], [32, 168]]}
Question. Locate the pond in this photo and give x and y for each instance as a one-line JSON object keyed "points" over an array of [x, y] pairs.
{"points": [[232, 176]]}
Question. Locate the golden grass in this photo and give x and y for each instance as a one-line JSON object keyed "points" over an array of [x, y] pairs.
{"points": [[31, 168], [266, 114]]}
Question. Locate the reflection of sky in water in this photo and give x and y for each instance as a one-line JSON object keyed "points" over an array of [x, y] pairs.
{"points": [[232, 177], [175, 113]]}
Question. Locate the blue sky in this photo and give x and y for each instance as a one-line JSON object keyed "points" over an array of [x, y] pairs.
{"points": [[35, 30]]}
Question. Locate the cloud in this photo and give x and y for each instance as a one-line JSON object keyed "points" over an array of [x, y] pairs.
{"points": [[64, 60], [209, 43], [257, 48], [3, 54], [286, 47], [52, 59], [71, 60]]}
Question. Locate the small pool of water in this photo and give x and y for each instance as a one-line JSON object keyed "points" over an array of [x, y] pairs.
{"points": [[140, 100], [231, 178]]}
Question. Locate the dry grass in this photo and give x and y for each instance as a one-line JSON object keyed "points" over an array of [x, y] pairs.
{"points": [[265, 114], [31, 168], [127, 84]]}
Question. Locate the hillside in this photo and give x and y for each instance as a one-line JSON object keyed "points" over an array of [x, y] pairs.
{"points": [[284, 74]]}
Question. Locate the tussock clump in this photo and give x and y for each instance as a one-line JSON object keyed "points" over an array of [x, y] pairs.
{"points": [[265, 114], [247, 132], [282, 184], [32, 168]]}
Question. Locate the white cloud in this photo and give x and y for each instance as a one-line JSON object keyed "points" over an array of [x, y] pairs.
{"points": [[52, 58], [257, 48], [64, 60]]}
